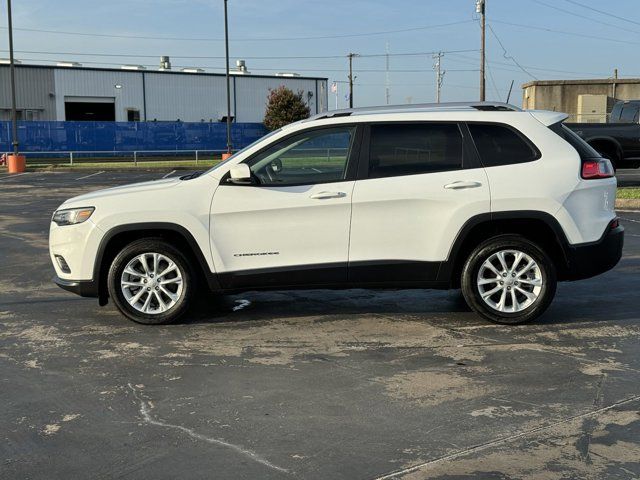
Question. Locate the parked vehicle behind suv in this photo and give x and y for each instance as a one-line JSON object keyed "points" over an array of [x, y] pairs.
{"points": [[499, 202], [619, 139]]}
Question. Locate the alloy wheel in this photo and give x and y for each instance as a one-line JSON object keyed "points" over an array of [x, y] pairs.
{"points": [[151, 283], [509, 281]]}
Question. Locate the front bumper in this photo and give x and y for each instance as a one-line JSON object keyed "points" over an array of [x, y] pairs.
{"points": [[589, 260], [84, 288]]}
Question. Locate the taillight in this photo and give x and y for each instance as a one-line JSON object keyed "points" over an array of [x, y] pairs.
{"points": [[615, 223], [597, 168]]}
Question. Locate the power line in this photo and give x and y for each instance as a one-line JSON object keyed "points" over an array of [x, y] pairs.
{"points": [[471, 87], [510, 57], [281, 69], [493, 81], [410, 54], [617, 27], [602, 12], [209, 57], [470, 61], [564, 32], [244, 39]]}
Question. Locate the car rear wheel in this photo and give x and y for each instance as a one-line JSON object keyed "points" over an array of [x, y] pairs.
{"points": [[151, 282], [508, 279]]}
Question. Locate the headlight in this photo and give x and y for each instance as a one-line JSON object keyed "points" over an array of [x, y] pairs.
{"points": [[71, 216]]}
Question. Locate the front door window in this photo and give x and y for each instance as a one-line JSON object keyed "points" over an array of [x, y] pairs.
{"points": [[308, 158]]}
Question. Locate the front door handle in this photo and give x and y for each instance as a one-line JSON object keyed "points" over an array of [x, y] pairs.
{"points": [[325, 195], [460, 185]]}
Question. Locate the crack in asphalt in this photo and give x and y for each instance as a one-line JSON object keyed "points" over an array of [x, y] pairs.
{"points": [[146, 415], [492, 443]]}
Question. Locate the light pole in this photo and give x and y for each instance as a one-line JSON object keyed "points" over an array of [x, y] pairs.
{"points": [[226, 71], [12, 74]]}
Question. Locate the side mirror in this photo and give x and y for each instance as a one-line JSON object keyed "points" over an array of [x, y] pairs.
{"points": [[240, 174]]}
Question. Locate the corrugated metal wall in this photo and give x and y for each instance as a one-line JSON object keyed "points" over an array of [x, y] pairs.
{"points": [[70, 82], [163, 96], [188, 97], [252, 93], [36, 92]]}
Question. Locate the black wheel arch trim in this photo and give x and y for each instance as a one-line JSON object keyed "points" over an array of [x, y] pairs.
{"points": [[443, 277], [448, 266], [210, 276]]}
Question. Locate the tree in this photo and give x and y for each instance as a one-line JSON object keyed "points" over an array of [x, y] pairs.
{"points": [[284, 107]]}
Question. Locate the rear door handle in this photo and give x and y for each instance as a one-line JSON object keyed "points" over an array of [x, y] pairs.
{"points": [[461, 184], [325, 195]]}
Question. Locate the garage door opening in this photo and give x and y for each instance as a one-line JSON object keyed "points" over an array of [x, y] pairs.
{"points": [[90, 111]]}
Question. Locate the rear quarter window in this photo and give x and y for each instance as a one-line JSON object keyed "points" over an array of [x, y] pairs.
{"points": [[583, 148], [501, 145]]}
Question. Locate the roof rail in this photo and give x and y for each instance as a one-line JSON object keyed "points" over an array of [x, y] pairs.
{"points": [[418, 107]]}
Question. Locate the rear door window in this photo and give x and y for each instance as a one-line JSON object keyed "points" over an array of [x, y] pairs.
{"points": [[500, 145], [414, 148]]}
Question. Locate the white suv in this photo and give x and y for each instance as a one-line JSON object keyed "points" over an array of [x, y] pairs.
{"points": [[480, 196]]}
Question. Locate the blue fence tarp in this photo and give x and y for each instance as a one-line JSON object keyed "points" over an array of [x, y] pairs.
{"points": [[127, 136]]}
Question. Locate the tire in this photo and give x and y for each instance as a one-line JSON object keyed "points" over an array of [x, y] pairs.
{"points": [[533, 288], [152, 303]]}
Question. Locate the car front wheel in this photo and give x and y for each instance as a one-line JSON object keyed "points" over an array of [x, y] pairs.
{"points": [[508, 279], [151, 282]]}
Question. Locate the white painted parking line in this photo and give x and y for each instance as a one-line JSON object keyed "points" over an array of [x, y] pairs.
{"points": [[170, 173], [92, 175], [13, 175]]}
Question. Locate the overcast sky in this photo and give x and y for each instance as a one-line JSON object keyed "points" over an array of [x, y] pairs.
{"points": [[591, 44]]}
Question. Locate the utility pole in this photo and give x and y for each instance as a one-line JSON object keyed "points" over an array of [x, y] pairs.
{"points": [[387, 80], [12, 74], [439, 74], [351, 77], [481, 9], [226, 71]]}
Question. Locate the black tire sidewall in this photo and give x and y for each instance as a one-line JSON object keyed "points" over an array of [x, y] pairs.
{"points": [[484, 251], [146, 246]]}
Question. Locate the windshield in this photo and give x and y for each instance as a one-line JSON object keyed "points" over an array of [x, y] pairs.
{"points": [[583, 148], [268, 135]]}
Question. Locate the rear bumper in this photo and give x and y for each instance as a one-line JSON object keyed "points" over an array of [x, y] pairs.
{"points": [[589, 260], [84, 288]]}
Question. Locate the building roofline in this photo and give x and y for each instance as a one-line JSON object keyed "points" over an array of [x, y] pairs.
{"points": [[170, 72], [591, 81]]}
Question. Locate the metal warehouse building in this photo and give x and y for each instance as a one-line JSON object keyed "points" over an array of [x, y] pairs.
{"points": [[136, 94]]}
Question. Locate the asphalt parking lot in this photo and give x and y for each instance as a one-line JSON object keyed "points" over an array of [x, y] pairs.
{"points": [[317, 385]]}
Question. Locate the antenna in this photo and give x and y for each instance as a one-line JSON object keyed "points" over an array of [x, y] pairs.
{"points": [[509, 94]]}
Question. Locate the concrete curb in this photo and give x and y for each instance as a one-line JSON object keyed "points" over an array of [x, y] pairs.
{"points": [[628, 203]]}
